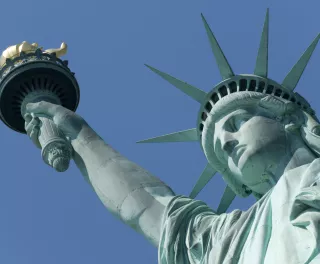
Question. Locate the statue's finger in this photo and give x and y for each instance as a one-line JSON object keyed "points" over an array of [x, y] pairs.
{"points": [[35, 122], [27, 117], [28, 129], [43, 108], [34, 136]]}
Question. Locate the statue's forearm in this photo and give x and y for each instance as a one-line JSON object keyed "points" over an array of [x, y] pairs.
{"points": [[127, 190]]}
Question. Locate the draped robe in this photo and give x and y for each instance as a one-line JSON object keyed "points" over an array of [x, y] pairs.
{"points": [[282, 227]]}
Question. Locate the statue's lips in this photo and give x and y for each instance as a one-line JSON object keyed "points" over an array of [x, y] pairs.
{"points": [[237, 152]]}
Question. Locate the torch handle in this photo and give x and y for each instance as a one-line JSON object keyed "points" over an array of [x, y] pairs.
{"points": [[56, 149]]}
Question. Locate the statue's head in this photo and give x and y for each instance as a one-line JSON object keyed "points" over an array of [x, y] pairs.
{"points": [[247, 124], [250, 137]]}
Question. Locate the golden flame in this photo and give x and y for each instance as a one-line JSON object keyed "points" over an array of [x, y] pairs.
{"points": [[15, 50]]}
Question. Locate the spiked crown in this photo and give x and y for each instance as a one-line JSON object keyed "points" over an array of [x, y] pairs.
{"points": [[230, 86]]}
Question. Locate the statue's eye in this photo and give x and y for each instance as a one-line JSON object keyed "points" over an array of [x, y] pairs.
{"points": [[239, 122]]}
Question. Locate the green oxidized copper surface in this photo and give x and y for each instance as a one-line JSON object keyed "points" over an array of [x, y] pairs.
{"points": [[261, 136]]}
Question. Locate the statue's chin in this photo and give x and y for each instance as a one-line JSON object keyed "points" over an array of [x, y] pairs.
{"points": [[255, 175], [245, 163], [261, 187], [242, 160], [251, 171]]}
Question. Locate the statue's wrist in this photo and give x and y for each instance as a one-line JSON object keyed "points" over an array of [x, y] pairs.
{"points": [[85, 136]]}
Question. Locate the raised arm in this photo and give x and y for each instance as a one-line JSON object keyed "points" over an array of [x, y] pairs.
{"points": [[127, 190]]}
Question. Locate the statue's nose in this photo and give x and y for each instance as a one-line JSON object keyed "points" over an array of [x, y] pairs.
{"points": [[228, 142]]}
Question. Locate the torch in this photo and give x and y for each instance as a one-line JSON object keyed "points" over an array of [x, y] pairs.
{"points": [[29, 75]]}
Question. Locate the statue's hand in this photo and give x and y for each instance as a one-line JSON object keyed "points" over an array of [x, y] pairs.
{"points": [[67, 121]]}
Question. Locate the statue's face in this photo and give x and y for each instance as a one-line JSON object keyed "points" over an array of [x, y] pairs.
{"points": [[252, 145]]}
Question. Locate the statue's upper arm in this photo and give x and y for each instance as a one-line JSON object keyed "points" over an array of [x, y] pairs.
{"points": [[143, 210]]}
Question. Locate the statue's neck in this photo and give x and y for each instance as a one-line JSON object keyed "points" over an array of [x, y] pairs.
{"points": [[297, 154]]}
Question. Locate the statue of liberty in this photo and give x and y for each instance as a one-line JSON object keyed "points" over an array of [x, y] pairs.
{"points": [[261, 136]]}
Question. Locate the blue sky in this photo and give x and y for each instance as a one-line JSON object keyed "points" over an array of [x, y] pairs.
{"points": [[52, 218]]}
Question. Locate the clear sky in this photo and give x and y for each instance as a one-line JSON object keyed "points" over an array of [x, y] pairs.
{"points": [[50, 218]]}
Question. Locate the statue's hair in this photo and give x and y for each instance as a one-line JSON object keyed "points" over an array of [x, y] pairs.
{"points": [[295, 120]]}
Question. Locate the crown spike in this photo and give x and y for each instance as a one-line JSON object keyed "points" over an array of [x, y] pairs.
{"points": [[204, 178], [293, 77], [224, 67], [261, 68], [181, 136], [226, 200], [188, 89]]}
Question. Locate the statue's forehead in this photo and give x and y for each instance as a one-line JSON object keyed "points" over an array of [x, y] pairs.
{"points": [[220, 124], [235, 112]]}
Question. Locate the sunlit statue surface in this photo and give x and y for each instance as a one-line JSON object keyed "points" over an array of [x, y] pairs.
{"points": [[261, 136], [15, 50]]}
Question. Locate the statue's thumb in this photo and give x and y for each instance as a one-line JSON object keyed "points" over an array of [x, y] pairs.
{"points": [[40, 109]]}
